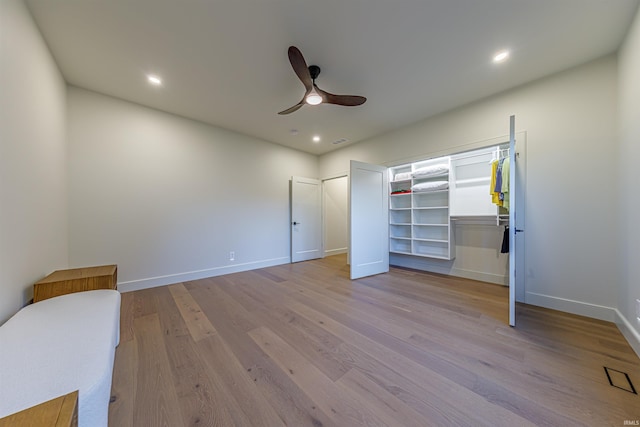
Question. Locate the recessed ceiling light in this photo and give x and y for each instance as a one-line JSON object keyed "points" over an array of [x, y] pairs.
{"points": [[154, 80], [316, 138], [501, 56]]}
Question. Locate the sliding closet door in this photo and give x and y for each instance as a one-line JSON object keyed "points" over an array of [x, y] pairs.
{"points": [[368, 219]]}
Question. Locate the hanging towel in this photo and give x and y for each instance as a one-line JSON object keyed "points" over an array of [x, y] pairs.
{"points": [[505, 241], [505, 183], [498, 187], [495, 196]]}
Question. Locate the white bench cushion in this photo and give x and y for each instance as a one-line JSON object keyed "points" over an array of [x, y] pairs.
{"points": [[59, 345]]}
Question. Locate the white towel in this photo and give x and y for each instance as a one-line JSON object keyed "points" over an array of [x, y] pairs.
{"points": [[430, 186], [403, 176], [439, 169]]}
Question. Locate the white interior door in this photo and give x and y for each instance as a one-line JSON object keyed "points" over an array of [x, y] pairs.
{"points": [[306, 219], [368, 220], [516, 219]]}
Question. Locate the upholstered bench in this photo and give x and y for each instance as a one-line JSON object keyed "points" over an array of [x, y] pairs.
{"points": [[59, 345]]}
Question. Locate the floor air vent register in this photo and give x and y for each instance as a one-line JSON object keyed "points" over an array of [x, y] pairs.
{"points": [[619, 379]]}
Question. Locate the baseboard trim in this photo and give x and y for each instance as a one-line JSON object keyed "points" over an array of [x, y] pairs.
{"points": [[481, 276], [152, 282], [601, 312], [338, 251], [571, 306], [445, 267], [629, 332]]}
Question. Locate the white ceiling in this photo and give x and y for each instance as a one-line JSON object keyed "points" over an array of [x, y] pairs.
{"points": [[225, 62]]}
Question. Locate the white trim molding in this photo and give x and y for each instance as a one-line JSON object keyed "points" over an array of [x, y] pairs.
{"points": [[580, 308], [628, 331], [330, 252], [445, 267], [152, 282]]}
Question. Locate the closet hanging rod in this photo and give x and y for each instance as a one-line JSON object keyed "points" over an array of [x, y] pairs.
{"points": [[499, 153], [489, 151], [472, 155]]}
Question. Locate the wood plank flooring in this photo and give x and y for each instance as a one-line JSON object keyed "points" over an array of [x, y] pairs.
{"points": [[302, 345]]}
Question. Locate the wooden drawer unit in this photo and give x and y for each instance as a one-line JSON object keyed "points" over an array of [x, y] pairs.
{"points": [[59, 412], [63, 282]]}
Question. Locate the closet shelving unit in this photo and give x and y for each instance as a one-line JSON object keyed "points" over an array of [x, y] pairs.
{"points": [[419, 222], [400, 206]]}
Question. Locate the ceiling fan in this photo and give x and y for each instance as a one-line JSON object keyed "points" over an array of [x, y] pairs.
{"points": [[314, 95]]}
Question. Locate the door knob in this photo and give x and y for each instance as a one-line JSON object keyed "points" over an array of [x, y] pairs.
{"points": [[296, 223]]}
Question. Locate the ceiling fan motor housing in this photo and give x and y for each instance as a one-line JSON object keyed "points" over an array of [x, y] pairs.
{"points": [[314, 71]]}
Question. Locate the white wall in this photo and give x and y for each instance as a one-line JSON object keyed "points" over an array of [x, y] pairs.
{"points": [[629, 206], [167, 198], [33, 194], [334, 203], [570, 122]]}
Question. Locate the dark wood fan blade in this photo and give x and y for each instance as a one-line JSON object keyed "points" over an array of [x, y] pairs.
{"points": [[300, 67], [294, 108], [346, 100]]}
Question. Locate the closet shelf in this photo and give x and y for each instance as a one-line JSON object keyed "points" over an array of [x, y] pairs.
{"points": [[399, 223], [431, 240], [437, 257], [417, 193], [428, 256], [402, 252], [400, 238], [430, 208], [417, 224], [440, 175]]}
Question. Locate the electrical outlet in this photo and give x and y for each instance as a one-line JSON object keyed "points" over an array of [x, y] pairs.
{"points": [[232, 256], [638, 309]]}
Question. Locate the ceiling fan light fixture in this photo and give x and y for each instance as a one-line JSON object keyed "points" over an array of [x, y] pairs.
{"points": [[313, 98]]}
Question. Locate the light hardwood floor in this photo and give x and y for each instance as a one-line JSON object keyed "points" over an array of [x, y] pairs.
{"points": [[302, 345]]}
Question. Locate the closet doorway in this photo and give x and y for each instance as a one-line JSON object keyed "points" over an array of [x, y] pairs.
{"points": [[423, 215], [335, 197]]}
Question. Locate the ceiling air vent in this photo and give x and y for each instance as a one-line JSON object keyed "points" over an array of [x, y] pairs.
{"points": [[340, 141]]}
